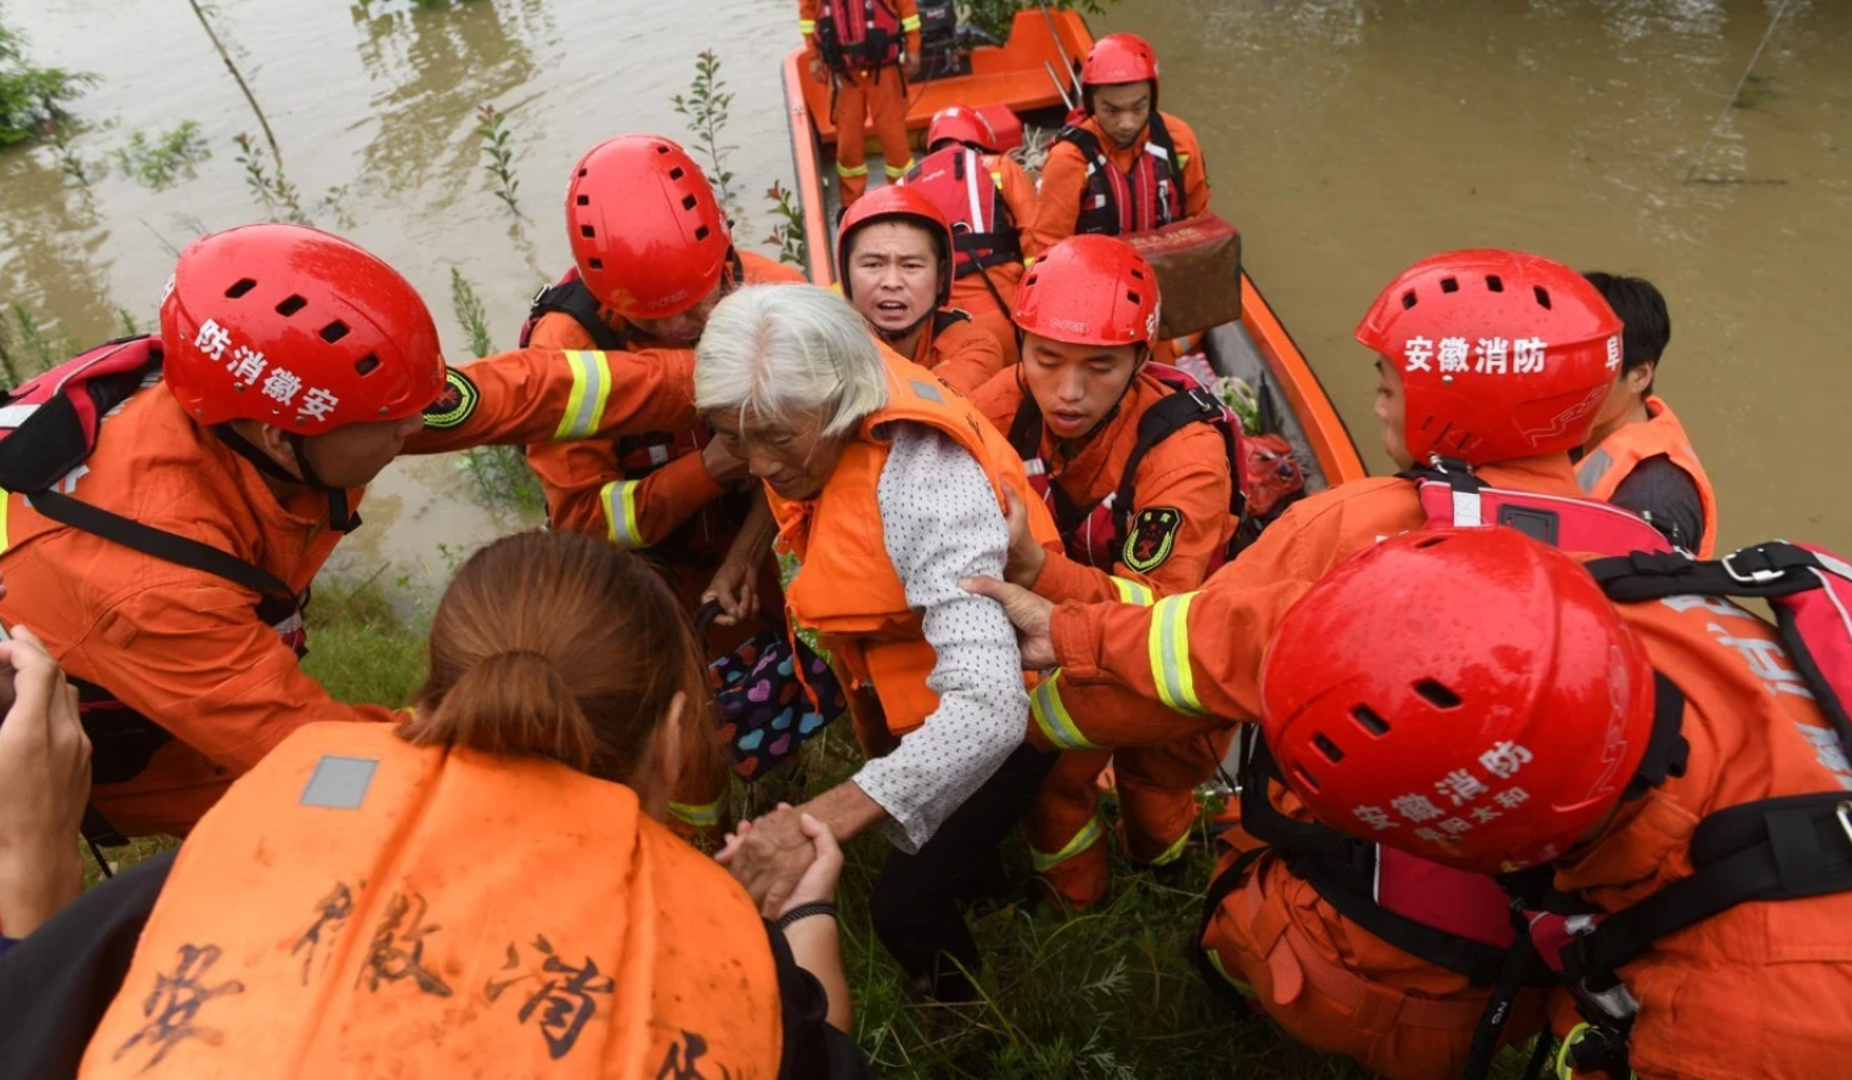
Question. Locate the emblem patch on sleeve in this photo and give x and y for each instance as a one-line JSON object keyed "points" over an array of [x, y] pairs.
{"points": [[455, 403], [1153, 537]]}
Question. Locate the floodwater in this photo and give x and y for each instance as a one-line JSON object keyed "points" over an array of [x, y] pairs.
{"points": [[1345, 138]]}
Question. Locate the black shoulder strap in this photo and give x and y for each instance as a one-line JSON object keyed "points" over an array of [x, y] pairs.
{"points": [[1026, 428], [170, 547], [946, 318], [574, 300], [1160, 134], [1772, 849], [1084, 141], [1162, 420]]}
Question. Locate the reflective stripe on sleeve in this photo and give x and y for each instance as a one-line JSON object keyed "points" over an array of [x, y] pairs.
{"points": [[1169, 644], [591, 388], [807, 26], [1044, 861], [895, 172], [1131, 592], [6, 502], [910, 23], [704, 816], [1052, 717], [845, 170], [1173, 852], [619, 499]]}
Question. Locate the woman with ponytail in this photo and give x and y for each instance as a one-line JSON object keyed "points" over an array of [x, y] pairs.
{"points": [[483, 889]]}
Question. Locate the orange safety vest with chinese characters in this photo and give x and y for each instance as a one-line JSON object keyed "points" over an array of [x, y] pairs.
{"points": [[357, 906], [1601, 471], [848, 590]]}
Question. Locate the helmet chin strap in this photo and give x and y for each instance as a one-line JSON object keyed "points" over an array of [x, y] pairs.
{"points": [[341, 517]]}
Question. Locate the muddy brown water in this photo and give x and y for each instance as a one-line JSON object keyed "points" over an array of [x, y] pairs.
{"points": [[1345, 137]]}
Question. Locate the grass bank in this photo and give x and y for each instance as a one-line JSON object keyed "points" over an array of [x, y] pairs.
{"points": [[1107, 994]]}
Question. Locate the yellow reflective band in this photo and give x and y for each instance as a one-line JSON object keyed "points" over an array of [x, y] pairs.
{"points": [[1028, 261], [620, 512], [845, 170], [1173, 852], [1183, 160], [998, 178], [911, 22], [6, 502], [1215, 961], [1131, 592], [895, 172], [1084, 839], [591, 388], [1052, 717], [701, 817], [808, 26], [1169, 645]]}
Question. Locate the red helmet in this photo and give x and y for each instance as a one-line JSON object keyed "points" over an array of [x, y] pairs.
{"points": [[1503, 355], [1466, 695], [1089, 290], [1119, 58], [962, 125], [646, 233], [296, 328], [897, 201]]}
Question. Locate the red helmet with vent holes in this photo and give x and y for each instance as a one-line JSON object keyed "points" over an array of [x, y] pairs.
{"points": [[1467, 695], [1502, 355], [1089, 290], [647, 235], [963, 125], [1119, 58], [906, 203], [297, 328]]}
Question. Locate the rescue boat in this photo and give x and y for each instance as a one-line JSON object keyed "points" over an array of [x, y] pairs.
{"points": [[1020, 76]]}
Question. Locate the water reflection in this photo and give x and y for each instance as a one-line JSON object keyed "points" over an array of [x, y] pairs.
{"points": [[56, 240]]}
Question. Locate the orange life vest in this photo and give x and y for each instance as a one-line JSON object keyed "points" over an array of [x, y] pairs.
{"points": [[1146, 197], [848, 590], [1614, 459], [357, 906]]}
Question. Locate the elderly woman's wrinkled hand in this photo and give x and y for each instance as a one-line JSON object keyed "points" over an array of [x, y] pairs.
{"points": [[770, 857], [1032, 615], [44, 786]]}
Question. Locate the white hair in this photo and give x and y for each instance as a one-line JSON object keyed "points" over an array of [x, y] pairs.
{"points": [[780, 351]]}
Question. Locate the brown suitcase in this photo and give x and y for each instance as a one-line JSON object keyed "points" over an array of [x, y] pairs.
{"points": [[1198, 265]]}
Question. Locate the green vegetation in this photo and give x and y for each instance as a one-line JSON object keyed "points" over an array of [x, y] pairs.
{"points": [[498, 474], [1756, 91], [491, 129], [787, 226], [279, 197], [707, 106], [32, 99], [995, 16], [157, 162], [28, 346]]}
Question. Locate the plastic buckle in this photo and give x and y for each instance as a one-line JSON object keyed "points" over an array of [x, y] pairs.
{"points": [[1844, 813], [1614, 1004], [1753, 577]]}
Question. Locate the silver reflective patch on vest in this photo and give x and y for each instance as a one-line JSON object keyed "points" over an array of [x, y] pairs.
{"points": [[339, 783], [1589, 473], [927, 391]]}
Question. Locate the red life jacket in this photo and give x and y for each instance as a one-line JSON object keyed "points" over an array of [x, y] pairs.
{"points": [[859, 34], [1095, 534], [1451, 918], [984, 232], [708, 530], [1147, 197], [48, 430]]}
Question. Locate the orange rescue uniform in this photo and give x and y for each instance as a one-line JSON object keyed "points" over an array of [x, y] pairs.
{"points": [[1763, 990], [958, 351], [423, 912], [970, 293], [1602, 469], [848, 589], [184, 648], [863, 97], [588, 491], [1064, 180], [1187, 474], [1322, 977]]}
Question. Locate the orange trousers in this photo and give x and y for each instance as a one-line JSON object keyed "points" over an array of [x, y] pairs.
{"points": [[1338, 988], [865, 99], [1157, 809]]}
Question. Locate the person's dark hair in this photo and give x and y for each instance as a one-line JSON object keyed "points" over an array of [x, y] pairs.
{"points": [[554, 645], [1642, 311]]}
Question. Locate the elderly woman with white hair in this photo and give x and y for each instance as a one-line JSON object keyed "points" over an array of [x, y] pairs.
{"points": [[889, 488]]}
